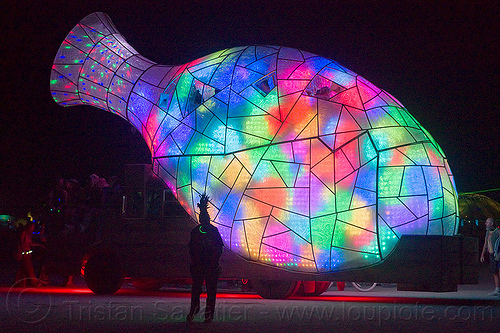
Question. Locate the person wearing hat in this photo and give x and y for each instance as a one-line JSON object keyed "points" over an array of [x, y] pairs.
{"points": [[205, 250]]}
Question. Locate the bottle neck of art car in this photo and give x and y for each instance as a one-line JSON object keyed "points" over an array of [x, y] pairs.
{"points": [[96, 66]]}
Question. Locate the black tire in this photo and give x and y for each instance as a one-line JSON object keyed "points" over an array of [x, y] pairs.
{"points": [[147, 284], [319, 288], [275, 289], [103, 272]]}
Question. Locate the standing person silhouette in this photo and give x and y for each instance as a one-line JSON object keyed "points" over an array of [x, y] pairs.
{"points": [[205, 250], [492, 234], [26, 271]]}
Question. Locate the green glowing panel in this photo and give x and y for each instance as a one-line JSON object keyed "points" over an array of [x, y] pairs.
{"points": [[321, 233], [389, 181], [388, 239]]}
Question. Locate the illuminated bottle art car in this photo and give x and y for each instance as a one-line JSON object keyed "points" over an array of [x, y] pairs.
{"points": [[309, 167]]}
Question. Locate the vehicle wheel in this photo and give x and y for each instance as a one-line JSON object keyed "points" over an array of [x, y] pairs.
{"points": [[147, 284], [103, 272], [275, 289], [364, 286], [319, 288]]}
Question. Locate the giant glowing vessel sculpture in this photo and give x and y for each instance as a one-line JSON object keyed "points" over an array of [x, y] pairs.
{"points": [[309, 166]]}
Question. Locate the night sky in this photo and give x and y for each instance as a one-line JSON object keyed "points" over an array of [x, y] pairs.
{"points": [[440, 60]]}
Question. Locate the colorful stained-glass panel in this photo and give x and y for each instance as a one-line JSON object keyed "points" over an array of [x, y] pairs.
{"points": [[309, 167]]}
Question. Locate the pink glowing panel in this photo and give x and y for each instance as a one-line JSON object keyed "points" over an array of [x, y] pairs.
{"points": [[309, 166]]}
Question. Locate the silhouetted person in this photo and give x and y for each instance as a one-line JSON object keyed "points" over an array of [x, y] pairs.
{"points": [[25, 256], [39, 246], [113, 199], [492, 234], [58, 198], [205, 249], [74, 206], [95, 205]]}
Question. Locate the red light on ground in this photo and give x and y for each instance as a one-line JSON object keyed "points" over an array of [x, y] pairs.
{"points": [[50, 289], [186, 294], [243, 296], [348, 299]]}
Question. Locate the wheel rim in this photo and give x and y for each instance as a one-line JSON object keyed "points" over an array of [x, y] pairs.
{"points": [[364, 286]]}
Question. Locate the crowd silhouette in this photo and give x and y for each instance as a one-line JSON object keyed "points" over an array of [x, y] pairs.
{"points": [[56, 235]]}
